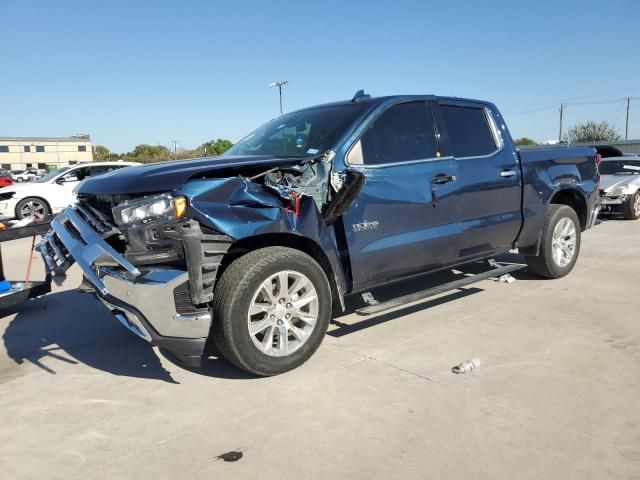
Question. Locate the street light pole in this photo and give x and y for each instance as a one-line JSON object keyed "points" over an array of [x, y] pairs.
{"points": [[279, 85], [560, 132]]}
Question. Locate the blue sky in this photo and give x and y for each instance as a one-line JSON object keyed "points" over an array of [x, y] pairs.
{"points": [[130, 72]]}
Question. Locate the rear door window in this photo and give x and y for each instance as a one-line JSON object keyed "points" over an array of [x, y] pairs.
{"points": [[99, 170], [403, 133], [469, 131]]}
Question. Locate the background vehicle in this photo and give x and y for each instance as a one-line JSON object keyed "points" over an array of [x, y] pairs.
{"points": [[620, 186], [257, 247], [24, 175], [50, 193], [5, 181]]}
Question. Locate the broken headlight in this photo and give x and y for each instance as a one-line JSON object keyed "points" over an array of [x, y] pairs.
{"points": [[618, 190], [149, 209]]}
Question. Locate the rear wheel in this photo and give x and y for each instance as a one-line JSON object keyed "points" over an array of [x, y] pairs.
{"points": [[271, 308], [631, 207], [560, 243], [32, 207]]}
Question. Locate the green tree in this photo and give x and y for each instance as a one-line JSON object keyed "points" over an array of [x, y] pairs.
{"points": [[214, 148], [144, 153], [592, 132], [524, 141], [101, 153]]}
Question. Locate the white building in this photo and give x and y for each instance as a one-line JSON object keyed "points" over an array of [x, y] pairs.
{"points": [[21, 153]]}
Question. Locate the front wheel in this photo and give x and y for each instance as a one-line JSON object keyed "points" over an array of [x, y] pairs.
{"points": [[560, 243], [271, 310], [631, 207], [32, 207]]}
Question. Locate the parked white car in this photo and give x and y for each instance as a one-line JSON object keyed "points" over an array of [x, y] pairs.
{"points": [[24, 175], [620, 186], [52, 192]]}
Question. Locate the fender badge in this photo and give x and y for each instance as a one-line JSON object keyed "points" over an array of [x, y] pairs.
{"points": [[365, 226]]}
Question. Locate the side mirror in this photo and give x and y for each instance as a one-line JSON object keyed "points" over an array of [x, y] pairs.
{"points": [[67, 179]]}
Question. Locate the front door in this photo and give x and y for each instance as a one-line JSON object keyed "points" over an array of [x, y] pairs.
{"points": [[404, 220]]}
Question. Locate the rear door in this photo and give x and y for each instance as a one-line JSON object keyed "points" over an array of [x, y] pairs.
{"points": [[489, 178], [403, 221]]}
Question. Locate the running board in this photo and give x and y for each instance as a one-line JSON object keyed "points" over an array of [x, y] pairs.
{"points": [[430, 292]]}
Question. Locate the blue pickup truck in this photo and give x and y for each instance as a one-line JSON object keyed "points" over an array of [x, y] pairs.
{"points": [[255, 250]]}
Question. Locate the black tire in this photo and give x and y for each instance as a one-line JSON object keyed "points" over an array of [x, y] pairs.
{"points": [[19, 180], [39, 206], [544, 264], [629, 207], [233, 296]]}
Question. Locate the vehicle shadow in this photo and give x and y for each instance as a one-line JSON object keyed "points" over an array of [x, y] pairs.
{"points": [[71, 327]]}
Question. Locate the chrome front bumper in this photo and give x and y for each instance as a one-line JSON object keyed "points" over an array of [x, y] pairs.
{"points": [[142, 300]]}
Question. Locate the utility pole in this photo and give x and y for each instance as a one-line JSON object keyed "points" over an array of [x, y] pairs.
{"points": [[175, 147], [560, 132], [626, 127], [279, 85]]}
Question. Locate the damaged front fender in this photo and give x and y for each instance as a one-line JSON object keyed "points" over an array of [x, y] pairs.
{"points": [[242, 209]]}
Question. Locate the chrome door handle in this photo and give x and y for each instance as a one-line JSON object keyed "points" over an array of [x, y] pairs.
{"points": [[508, 173], [441, 179]]}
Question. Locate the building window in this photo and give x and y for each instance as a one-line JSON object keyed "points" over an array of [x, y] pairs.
{"points": [[73, 162], [6, 166], [39, 148], [82, 148], [4, 148], [29, 165], [27, 149], [42, 166]]}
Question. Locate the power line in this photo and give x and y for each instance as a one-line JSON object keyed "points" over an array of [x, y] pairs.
{"points": [[547, 105]]}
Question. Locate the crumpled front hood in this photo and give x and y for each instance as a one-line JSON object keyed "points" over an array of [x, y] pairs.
{"points": [[607, 182], [168, 176]]}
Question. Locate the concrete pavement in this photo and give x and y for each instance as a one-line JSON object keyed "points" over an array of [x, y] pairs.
{"points": [[556, 396]]}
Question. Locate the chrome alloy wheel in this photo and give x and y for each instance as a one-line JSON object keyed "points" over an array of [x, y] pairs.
{"points": [[283, 313], [564, 242], [33, 209], [636, 205]]}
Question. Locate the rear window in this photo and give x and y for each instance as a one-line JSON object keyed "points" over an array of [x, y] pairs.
{"points": [[469, 131]]}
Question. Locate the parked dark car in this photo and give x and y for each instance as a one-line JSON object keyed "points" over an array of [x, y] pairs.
{"points": [[258, 247]]}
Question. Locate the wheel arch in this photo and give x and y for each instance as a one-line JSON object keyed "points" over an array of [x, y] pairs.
{"points": [[282, 239], [572, 198]]}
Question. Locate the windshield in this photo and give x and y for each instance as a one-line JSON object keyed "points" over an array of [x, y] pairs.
{"points": [[52, 174], [620, 167], [300, 134]]}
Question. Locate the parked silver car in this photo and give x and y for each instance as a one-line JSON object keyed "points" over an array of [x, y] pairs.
{"points": [[620, 186]]}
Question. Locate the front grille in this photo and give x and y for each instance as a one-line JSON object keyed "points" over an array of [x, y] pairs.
{"points": [[101, 203]]}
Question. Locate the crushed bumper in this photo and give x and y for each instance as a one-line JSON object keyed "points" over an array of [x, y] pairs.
{"points": [[141, 299]]}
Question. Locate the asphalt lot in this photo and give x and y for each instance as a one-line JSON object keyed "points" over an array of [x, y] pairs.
{"points": [[555, 398]]}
